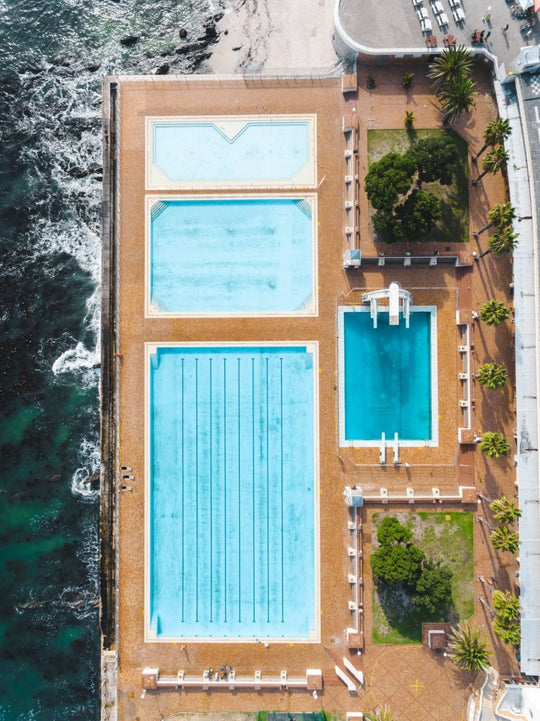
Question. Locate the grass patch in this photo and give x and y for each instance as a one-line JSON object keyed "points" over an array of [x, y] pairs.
{"points": [[454, 223], [445, 537]]}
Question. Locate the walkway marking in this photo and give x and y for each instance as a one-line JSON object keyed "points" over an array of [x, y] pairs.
{"points": [[416, 685]]}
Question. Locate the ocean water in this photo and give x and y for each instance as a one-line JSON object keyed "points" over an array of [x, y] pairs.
{"points": [[53, 54]]}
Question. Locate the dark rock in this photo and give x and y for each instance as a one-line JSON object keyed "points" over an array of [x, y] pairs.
{"points": [[78, 173], [237, 48], [129, 40], [163, 69], [191, 47], [210, 30], [63, 61], [93, 68], [218, 17], [94, 478], [198, 59], [183, 33]]}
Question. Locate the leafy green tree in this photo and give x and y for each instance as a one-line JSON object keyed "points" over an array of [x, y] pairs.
{"points": [[451, 63], [391, 531], [500, 216], [387, 226], [457, 97], [399, 563], [494, 445], [433, 592], [505, 510], [504, 539], [495, 133], [502, 242], [388, 178], [467, 648], [494, 312], [492, 375], [495, 160], [418, 214], [436, 159]]}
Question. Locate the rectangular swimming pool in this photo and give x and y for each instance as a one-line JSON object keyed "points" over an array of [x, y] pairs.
{"points": [[232, 492], [388, 378], [231, 151], [231, 256]]}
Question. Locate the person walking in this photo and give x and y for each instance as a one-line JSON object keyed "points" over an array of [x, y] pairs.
{"points": [[505, 28]]}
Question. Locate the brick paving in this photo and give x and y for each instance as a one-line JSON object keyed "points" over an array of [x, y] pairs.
{"points": [[416, 683]]}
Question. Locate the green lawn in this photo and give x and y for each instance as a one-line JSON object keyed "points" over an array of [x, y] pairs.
{"points": [[446, 537], [454, 224]]}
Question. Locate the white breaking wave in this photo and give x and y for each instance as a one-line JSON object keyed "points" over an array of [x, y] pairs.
{"points": [[89, 459], [76, 360]]}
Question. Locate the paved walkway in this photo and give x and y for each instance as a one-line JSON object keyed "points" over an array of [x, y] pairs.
{"points": [[372, 26]]}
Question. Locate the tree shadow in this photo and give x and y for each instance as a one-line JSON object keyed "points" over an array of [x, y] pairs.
{"points": [[402, 618]]}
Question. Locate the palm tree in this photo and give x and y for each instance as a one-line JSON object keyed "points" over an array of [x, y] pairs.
{"points": [[495, 133], [492, 375], [456, 97], [451, 63], [409, 118], [507, 615], [503, 539], [506, 604], [508, 631], [505, 510], [406, 80], [494, 312], [495, 160], [467, 649], [381, 714], [494, 445], [502, 242], [500, 216]]}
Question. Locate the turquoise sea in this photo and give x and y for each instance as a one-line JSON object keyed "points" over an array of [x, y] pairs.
{"points": [[53, 54]]}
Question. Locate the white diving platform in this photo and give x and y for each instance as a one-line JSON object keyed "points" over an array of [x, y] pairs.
{"points": [[397, 300]]}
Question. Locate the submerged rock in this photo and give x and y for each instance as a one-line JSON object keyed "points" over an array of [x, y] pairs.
{"points": [[129, 40], [183, 33], [163, 69]]}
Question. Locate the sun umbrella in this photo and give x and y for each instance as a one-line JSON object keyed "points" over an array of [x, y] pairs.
{"points": [[526, 4], [536, 6]]}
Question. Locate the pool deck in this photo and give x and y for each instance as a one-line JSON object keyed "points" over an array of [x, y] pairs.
{"points": [[416, 683]]}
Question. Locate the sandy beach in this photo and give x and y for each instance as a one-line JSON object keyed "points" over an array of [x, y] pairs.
{"points": [[273, 36]]}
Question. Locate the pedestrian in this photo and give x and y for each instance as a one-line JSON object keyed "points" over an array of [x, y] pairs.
{"points": [[488, 34], [505, 28], [482, 36]]}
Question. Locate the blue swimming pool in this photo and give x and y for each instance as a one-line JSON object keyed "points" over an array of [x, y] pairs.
{"points": [[388, 377], [234, 150], [240, 256], [232, 492]]}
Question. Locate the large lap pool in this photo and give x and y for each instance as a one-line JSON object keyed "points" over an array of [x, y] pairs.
{"points": [[231, 256], [227, 151], [388, 378], [232, 492]]}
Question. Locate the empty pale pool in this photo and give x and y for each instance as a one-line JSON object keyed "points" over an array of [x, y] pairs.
{"points": [[231, 256], [232, 492], [219, 151], [388, 378]]}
